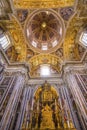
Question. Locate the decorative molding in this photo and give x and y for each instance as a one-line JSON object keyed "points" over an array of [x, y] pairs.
{"points": [[49, 80], [42, 3]]}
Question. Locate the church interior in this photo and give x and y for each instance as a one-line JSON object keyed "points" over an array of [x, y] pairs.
{"points": [[43, 64]]}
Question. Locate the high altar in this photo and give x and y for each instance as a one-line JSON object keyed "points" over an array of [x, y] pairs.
{"points": [[47, 113]]}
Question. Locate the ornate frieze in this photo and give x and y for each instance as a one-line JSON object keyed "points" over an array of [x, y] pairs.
{"points": [[42, 3]]}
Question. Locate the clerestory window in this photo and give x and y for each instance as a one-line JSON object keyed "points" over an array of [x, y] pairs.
{"points": [[83, 38], [4, 39]]}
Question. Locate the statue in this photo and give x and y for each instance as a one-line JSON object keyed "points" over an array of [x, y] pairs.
{"points": [[46, 93], [47, 119]]}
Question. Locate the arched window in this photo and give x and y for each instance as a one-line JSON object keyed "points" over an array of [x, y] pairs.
{"points": [[83, 38], [4, 39]]}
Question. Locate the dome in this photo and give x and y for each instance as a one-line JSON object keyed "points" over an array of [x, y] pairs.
{"points": [[44, 30]]}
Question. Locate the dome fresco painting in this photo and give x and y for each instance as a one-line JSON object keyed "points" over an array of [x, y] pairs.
{"points": [[44, 30]]}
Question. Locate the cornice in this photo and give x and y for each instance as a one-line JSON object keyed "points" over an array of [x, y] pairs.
{"points": [[39, 81], [14, 67]]}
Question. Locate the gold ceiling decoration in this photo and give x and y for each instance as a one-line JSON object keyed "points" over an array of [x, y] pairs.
{"points": [[25, 4], [78, 21], [40, 59], [70, 45], [16, 33], [44, 30]]}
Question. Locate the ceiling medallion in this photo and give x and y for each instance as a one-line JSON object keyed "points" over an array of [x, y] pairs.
{"points": [[44, 30]]}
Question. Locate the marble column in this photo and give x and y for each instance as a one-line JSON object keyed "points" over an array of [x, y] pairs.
{"points": [[1, 70], [24, 107], [77, 97], [9, 114]]}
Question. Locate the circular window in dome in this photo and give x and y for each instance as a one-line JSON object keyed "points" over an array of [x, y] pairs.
{"points": [[44, 31]]}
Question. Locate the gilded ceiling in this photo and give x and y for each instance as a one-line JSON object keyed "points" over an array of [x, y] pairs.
{"points": [[32, 4], [45, 32]]}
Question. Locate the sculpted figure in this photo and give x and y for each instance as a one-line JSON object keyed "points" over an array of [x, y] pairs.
{"points": [[47, 119]]}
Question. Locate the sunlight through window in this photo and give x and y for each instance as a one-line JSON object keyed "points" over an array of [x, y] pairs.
{"points": [[45, 70], [83, 38], [4, 40]]}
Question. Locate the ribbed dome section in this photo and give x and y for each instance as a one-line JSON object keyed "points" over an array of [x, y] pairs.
{"points": [[44, 30]]}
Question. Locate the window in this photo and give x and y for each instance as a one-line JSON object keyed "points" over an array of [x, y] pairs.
{"points": [[45, 70], [44, 47], [34, 44], [54, 43], [4, 39], [83, 38]]}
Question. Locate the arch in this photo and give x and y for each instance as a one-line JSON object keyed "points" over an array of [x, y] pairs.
{"points": [[38, 89], [45, 107]]}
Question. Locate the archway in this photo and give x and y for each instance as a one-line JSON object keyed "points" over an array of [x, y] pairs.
{"points": [[46, 109]]}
